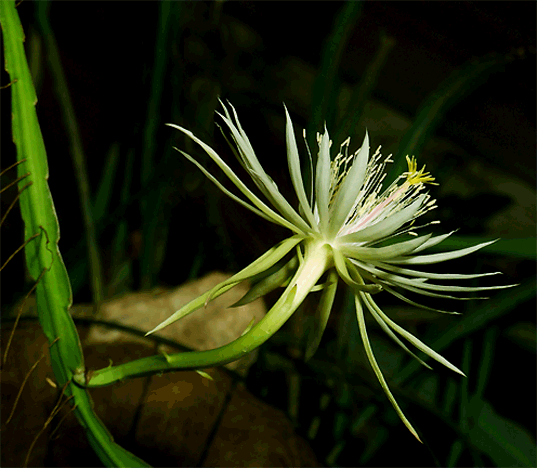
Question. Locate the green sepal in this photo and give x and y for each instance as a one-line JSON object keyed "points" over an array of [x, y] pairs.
{"points": [[322, 314], [270, 283], [248, 327], [264, 262], [204, 375]]}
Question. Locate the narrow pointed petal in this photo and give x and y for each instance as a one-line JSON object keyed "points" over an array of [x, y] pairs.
{"points": [[310, 169], [274, 217], [258, 174], [385, 227], [439, 257], [322, 181], [341, 267], [393, 336], [322, 314], [296, 171], [441, 287], [426, 274], [350, 188], [236, 181], [376, 368], [383, 253], [415, 341], [424, 292], [416, 304], [421, 282], [435, 240]]}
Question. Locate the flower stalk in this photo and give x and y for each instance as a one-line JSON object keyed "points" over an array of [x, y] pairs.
{"points": [[316, 260]]}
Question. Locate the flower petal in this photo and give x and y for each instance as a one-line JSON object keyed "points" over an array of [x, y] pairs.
{"points": [[415, 304], [435, 240], [439, 257], [350, 188], [322, 181], [394, 337], [424, 292], [387, 226], [258, 174], [382, 253], [296, 171], [236, 181], [420, 282], [341, 267], [376, 368], [274, 218], [429, 275], [415, 341]]}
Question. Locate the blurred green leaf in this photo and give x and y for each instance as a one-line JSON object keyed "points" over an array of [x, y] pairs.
{"points": [[103, 196], [504, 441], [324, 88], [77, 150], [456, 86], [155, 217], [524, 334], [361, 92], [121, 265]]}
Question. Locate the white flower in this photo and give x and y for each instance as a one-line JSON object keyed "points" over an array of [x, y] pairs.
{"points": [[336, 234]]}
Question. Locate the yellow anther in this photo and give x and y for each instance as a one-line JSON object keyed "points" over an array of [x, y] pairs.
{"points": [[413, 176]]}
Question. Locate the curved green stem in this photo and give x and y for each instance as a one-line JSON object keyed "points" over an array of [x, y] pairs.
{"points": [[317, 259]]}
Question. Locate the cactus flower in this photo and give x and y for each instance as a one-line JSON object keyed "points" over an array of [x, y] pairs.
{"points": [[348, 228]]}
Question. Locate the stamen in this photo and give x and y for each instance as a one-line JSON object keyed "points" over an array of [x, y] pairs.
{"points": [[374, 205]]}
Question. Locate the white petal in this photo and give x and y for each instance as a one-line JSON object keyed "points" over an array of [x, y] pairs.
{"points": [[350, 188], [376, 368], [341, 267], [387, 226], [426, 274], [273, 217], [415, 341], [393, 336], [435, 241], [296, 171], [439, 257], [236, 181], [260, 177], [322, 181], [415, 304], [423, 292], [382, 253], [421, 282]]}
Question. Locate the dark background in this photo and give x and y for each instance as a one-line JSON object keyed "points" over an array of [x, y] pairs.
{"points": [[258, 55]]}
